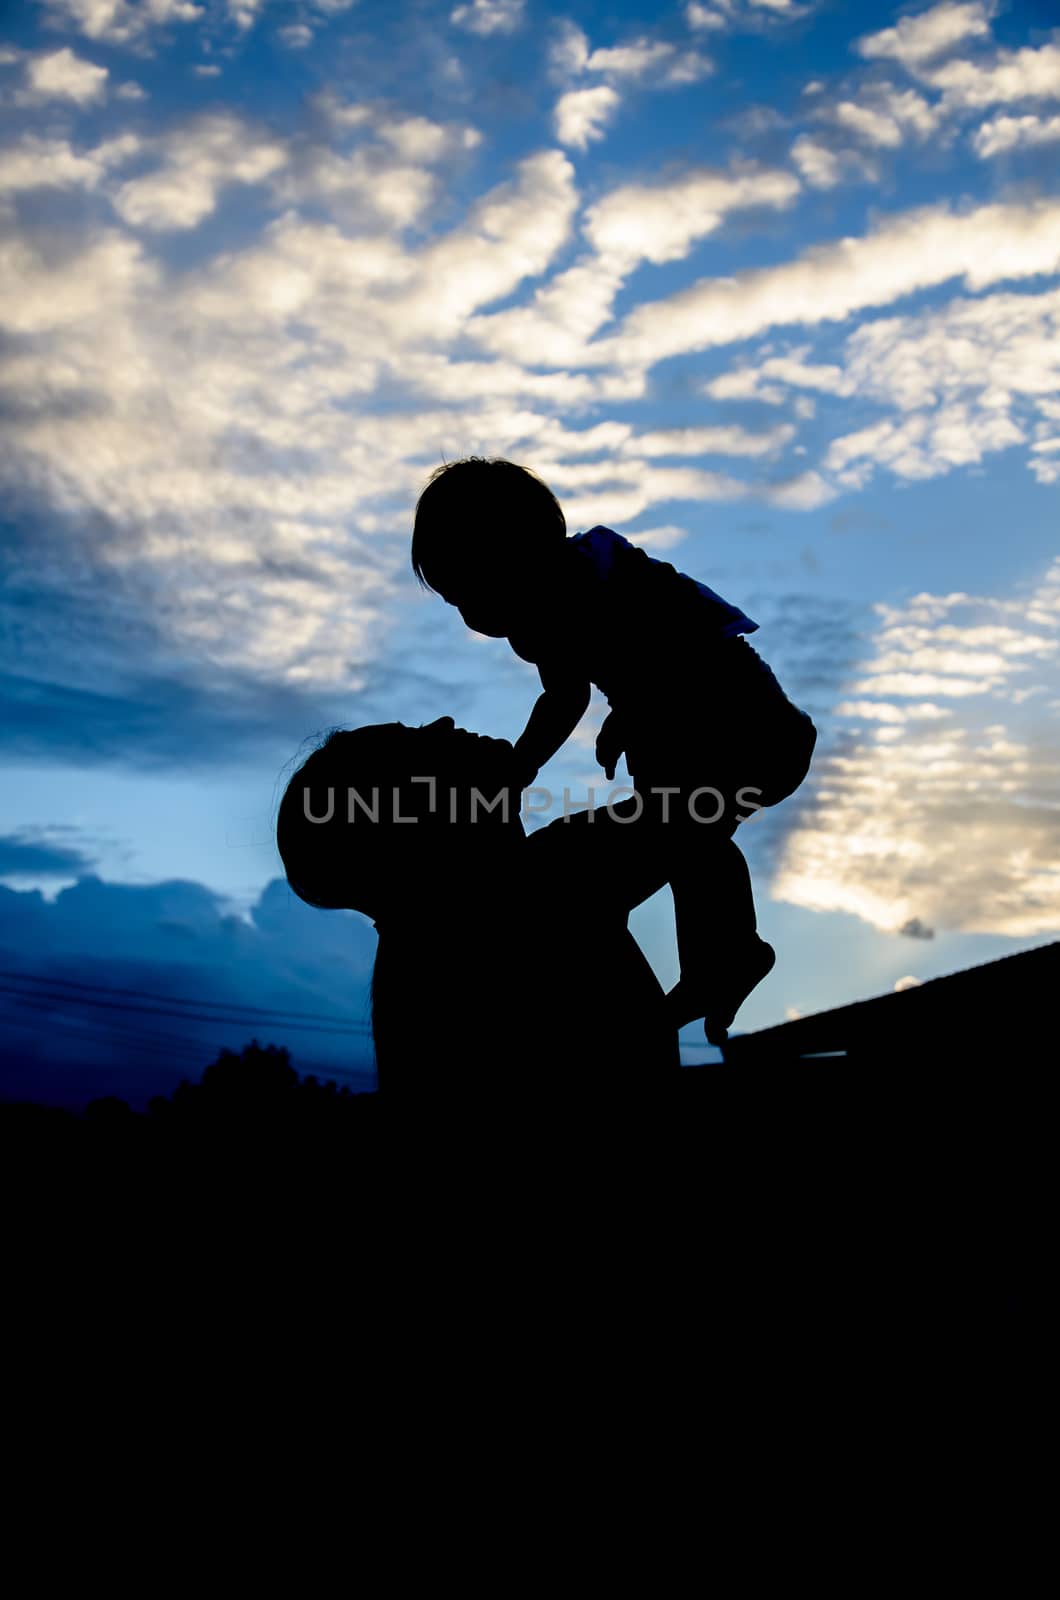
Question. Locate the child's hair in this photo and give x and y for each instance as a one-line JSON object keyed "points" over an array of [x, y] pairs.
{"points": [[468, 505]]}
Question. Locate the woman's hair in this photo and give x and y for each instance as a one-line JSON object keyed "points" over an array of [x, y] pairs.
{"points": [[424, 985], [338, 827], [467, 506], [327, 861]]}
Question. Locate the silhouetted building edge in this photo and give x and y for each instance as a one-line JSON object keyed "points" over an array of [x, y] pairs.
{"points": [[1005, 1007]]}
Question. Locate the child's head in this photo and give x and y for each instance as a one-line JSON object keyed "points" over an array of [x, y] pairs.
{"points": [[484, 531]]}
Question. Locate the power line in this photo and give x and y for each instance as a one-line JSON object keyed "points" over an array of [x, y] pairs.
{"points": [[160, 1047], [98, 1028], [347, 1030], [238, 1015], [172, 999], [175, 1053]]}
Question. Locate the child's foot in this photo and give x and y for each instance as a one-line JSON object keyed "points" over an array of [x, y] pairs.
{"points": [[731, 979]]}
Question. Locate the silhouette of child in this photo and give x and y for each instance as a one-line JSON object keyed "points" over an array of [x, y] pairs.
{"points": [[708, 733]]}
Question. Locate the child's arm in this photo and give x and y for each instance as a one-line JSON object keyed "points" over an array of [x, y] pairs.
{"points": [[554, 718]]}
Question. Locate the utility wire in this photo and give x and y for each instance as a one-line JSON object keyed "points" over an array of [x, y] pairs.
{"points": [[172, 999], [348, 1030], [159, 1050], [238, 1015]]}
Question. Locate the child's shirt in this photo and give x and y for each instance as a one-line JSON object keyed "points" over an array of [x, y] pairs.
{"points": [[629, 623]]}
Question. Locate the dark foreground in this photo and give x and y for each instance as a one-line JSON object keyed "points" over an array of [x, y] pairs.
{"points": [[889, 1189], [751, 1282]]}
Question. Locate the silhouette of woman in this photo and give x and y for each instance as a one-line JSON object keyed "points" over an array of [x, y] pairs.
{"points": [[504, 963]]}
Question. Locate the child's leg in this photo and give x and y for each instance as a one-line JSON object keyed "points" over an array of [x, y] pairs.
{"points": [[722, 957], [713, 903]]}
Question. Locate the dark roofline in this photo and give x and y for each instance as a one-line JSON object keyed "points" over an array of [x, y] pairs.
{"points": [[1017, 991]]}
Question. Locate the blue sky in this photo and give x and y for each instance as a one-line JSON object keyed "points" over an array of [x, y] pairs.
{"points": [[772, 288]]}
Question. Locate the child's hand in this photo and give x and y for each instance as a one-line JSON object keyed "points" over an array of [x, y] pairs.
{"points": [[610, 743]]}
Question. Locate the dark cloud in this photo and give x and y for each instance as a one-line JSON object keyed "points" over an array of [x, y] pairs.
{"points": [[89, 674], [170, 939], [915, 929], [814, 645], [158, 723], [30, 853]]}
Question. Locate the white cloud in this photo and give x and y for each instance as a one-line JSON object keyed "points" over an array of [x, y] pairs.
{"points": [[873, 126], [721, 14], [419, 139], [444, 379], [745, 383], [360, 190], [568, 52], [385, 181], [888, 120], [511, 234], [908, 108], [917, 447], [688, 67], [631, 224], [703, 17], [805, 491], [244, 13], [197, 163], [660, 222], [618, 492], [1026, 74], [972, 363], [728, 440], [1012, 133], [916, 39], [581, 115], [62, 75], [130, 91], [908, 982], [562, 315], [631, 60], [961, 381], [487, 17], [656, 62], [907, 252], [884, 711], [217, 430], [296, 37], [222, 421], [341, 114], [111, 271], [662, 538], [883, 118], [954, 827], [120, 21], [994, 348], [819, 165], [36, 163]]}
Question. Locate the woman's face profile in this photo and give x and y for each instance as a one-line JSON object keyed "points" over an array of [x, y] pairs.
{"points": [[344, 834]]}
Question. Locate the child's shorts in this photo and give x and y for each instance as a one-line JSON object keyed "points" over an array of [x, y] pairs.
{"points": [[737, 731]]}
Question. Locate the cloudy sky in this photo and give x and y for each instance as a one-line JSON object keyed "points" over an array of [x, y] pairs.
{"points": [[770, 286]]}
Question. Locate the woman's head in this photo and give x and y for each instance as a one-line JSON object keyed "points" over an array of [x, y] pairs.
{"points": [[381, 816], [485, 533]]}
